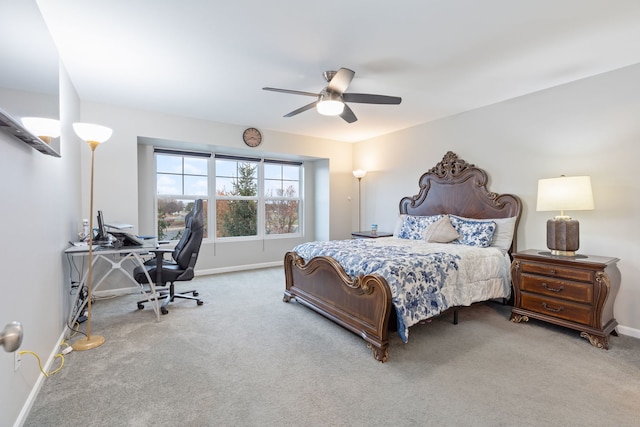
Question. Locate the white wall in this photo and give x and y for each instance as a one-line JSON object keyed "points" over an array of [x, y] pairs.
{"points": [[40, 208], [589, 127], [117, 168]]}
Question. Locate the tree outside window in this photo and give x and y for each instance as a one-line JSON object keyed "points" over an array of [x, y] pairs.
{"points": [[282, 198], [237, 198]]}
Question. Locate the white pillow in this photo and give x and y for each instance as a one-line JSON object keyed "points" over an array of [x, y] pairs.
{"points": [[399, 222], [503, 236]]}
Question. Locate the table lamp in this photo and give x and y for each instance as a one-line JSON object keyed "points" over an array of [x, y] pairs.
{"points": [[566, 193]]}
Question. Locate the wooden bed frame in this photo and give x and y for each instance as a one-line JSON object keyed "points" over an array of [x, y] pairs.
{"points": [[363, 305]]}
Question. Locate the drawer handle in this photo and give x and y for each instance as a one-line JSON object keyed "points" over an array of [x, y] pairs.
{"points": [[553, 271], [555, 310], [547, 287]]}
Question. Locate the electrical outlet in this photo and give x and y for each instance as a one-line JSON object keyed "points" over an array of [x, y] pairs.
{"points": [[17, 361]]}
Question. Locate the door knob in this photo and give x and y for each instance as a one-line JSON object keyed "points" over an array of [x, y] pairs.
{"points": [[11, 336]]}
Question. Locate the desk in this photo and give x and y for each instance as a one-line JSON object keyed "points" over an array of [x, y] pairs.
{"points": [[107, 253]]}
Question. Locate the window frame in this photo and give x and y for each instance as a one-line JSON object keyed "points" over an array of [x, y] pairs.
{"points": [[190, 197], [298, 198], [261, 198]]}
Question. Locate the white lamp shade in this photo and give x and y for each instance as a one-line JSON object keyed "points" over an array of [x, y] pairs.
{"points": [[42, 127], [566, 193], [91, 132], [330, 107], [359, 173]]}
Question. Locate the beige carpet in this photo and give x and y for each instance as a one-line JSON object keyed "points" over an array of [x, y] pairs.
{"points": [[247, 358]]}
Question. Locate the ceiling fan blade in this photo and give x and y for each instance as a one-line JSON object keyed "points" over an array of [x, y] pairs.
{"points": [[367, 98], [341, 81], [295, 92], [301, 109], [347, 114]]}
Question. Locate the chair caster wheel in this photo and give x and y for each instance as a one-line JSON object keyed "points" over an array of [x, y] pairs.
{"points": [[140, 306], [164, 310], [199, 302], [195, 294]]}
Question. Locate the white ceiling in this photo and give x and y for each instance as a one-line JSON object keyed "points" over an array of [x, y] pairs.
{"points": [[210, 59]]}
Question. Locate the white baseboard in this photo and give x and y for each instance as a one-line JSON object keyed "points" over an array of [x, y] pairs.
{"points": [[108, 293], [26, 408], [238, 268], [631, 332]]}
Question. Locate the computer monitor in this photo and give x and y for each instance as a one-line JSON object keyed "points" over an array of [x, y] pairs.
{"points": [[102, 230]]}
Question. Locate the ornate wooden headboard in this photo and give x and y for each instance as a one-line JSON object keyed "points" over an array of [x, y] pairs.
{"points": [[456, 187]]}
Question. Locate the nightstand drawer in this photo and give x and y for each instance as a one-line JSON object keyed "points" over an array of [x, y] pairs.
{"points": [[562, 289], [555, 271], [557, 308]]}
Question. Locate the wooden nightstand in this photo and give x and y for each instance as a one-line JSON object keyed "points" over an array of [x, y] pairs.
{"points": [[369, 235], [574, 292]]}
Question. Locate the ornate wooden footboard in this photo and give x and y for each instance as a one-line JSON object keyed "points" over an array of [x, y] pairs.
{"points": [[362, 305]]}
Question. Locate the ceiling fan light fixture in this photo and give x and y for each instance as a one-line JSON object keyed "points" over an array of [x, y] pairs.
{"points": [[330, 107], [330, 103]]}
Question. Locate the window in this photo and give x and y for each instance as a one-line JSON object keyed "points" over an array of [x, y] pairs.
{"points": [[181, 178], [253, 197], [282, 197], [236, 197]]}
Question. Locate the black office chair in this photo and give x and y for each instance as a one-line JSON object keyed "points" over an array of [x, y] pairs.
{"points": [[181, 268]]}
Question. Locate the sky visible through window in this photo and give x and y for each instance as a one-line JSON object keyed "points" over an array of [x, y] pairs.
{"points": [[182, 175]]}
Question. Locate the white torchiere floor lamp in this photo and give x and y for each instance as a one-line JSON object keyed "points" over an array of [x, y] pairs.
{"points": [[359, 173], [94, 135]]}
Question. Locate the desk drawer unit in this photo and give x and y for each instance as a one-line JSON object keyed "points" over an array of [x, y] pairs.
{"points": [[574, 292]]}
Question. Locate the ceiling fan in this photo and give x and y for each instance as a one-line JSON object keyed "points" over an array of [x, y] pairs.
{"points": [[331, 101]]}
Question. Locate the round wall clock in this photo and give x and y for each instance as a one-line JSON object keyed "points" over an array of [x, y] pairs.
{"points": [[252, 137]]}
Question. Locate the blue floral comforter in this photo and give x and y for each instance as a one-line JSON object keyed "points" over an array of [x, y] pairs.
{"points": [[425, 278]]}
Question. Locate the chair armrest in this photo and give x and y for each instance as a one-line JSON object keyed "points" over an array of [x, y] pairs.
{"points": [[161, 251], [159, 256]]}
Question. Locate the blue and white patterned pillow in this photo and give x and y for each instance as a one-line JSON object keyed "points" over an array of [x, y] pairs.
{"points": [[413, 227], [473, 232]]}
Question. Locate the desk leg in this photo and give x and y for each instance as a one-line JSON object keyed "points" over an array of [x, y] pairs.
{"points": [[75, 312], [117, 265]]}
